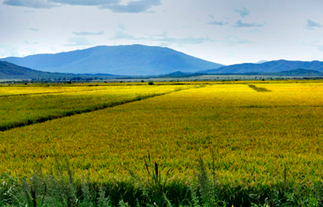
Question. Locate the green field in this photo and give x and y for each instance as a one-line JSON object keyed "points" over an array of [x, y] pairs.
{"points": [[260, 142]]}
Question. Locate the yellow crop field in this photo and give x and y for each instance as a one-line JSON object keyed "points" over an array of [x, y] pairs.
{"points": [[20, 106], [254, 137]]}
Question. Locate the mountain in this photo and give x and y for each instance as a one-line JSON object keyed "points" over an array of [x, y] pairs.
{"points": [[300, 72], [118, 60], [268, 67], [12, 71]]}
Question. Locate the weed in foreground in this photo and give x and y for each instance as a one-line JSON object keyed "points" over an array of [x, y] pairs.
{"points": [[155, 189], [60, 188]]}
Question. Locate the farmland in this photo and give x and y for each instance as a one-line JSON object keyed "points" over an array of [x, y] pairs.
{"points": [[251, 135], [24, 105]]}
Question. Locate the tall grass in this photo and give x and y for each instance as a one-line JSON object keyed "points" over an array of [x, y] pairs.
{"points": [[62, 188]]}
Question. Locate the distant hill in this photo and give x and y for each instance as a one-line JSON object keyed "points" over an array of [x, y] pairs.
{"points": [[118, 60], [268, 67], [300, 72], [12, 71], [294, 72]]}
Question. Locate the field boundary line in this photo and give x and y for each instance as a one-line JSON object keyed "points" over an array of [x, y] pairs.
{"points": [[46, 93], [259, 89]]}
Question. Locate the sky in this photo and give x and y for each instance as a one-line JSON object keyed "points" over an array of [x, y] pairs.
{"points": [[221, 31]]}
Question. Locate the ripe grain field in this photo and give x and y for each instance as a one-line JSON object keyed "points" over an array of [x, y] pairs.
{"points": [[251, 136], [25, 105]]}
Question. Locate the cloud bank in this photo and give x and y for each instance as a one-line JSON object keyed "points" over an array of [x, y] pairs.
{"points": [[87, 2], [113, 5], [36, 4], [133, 6]]}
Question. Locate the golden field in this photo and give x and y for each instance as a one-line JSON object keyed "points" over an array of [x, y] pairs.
{"points": [[248, 137], [24, 105]]}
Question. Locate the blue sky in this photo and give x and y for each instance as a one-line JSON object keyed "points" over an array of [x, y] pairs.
{"points": [[222, 31]]}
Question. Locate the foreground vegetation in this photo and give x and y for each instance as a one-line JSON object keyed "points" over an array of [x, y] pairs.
{"points": [[222, 144], [62, 188]]}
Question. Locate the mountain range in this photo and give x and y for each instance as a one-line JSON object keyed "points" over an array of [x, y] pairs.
{"points": [[139, 61], [117, 60], [267, 67]]}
